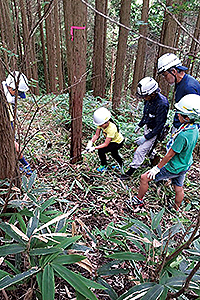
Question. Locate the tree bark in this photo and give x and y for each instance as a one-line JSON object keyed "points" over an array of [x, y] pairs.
{"points": [[128, 64], [141, 51], [121, 52], [8, 157], [58, 47], [26, 69], [194, 46], [76, 15], [7, 39], [168, 37], [31, 42], [98, 77], [50, 39], [46, 76]]}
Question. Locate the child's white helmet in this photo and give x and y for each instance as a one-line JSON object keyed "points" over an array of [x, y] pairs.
{"points": [[169, 60], [189, 105], [101, 116], [146, 86], [23, 81]]}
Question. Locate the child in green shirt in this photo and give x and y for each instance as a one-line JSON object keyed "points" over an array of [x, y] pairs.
{"points": [[178, 159]]}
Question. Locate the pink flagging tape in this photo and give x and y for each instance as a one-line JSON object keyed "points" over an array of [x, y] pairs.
{"points": [[75, 27]]}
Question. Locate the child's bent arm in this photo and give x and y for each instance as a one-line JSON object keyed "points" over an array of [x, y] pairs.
{"points": [[105, 144], [166, 158], [96, 136]]}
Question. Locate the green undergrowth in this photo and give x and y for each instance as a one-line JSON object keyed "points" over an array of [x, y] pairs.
{"points": [[123, 249]]}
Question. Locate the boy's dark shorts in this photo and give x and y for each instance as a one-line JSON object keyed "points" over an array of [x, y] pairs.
{"points": [[177, 179]]}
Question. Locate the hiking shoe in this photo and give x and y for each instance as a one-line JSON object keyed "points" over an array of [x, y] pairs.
{"points": [[127, 174], [135, 202], [102, 169], [125, 177], [115, 167], [26, 169]]}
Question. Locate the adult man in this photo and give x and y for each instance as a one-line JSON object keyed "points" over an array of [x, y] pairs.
{"points": [[16, 82], [154, 117], [170, 66], [178, 159]]}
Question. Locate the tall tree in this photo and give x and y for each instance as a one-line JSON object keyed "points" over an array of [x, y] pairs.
{"points": [[7, 40], [46, 77], [50, 39], [194, 46], [141, 50], [98, 77], [58, 47], [8, 157], [168, 38], [33, 61], [128, 67], [27, 67], [75, 14], [121, 52]]}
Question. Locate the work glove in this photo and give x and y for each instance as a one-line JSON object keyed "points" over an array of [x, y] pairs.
{"points": [[152, 173], [89, 145], [91, 149], [140, 140], [137, 129]]}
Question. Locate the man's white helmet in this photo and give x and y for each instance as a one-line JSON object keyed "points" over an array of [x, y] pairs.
{"points": [[23, 81], [101, 116], [189, 105], [146, 86], [169, 60]]}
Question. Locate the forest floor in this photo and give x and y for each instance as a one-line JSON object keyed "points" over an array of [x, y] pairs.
{"points": [[101, 198]]}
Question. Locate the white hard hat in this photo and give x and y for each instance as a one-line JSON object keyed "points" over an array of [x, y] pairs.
{"points": [[169, 60], [189, 105], [101, 116], [23, 81], [146, 86]]}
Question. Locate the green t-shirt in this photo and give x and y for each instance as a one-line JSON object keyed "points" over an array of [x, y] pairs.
{"points": [[183, 145], [111, 132]]}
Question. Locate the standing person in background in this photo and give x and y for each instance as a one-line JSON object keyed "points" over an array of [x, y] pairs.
{"points": [[170, 66], [9, 86], [178, 159], [113, 138], [154, 117]]}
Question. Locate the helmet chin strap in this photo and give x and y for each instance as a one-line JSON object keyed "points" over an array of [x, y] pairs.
{"points": [[174, 76]]}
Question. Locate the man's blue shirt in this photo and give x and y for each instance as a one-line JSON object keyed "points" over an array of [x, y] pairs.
{"points": [[155, 115], [187, 85]]}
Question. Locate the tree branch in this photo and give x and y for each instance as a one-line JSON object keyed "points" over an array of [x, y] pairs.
{"points": [[177, 21], [140, 35], [186, 285]]}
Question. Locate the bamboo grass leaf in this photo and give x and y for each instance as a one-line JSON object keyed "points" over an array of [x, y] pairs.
{"points": [[111, 292], [68, 259], [32, 180], [127, 256], [56, 219], [11, 249], [19, 232], [74, 280], [48, 283], [8, 281], [8, 230], [154, 293], [45, 251], [33, 222], [3, 274], [137, 291], [157, 218]]}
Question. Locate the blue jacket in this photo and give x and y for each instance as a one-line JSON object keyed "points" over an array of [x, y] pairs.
{"points": [[155, 115], [188, 85]]}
